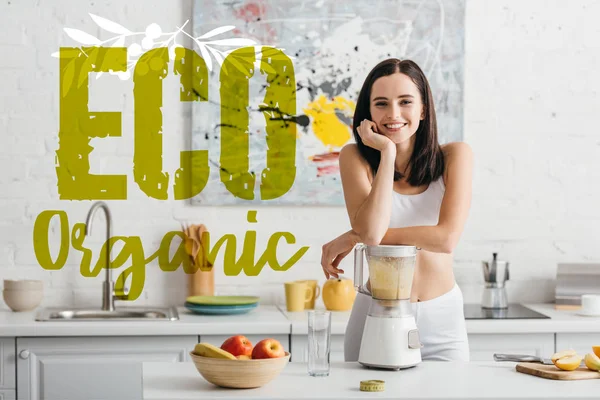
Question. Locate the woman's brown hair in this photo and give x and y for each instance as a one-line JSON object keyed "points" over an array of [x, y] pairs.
{"points": [[426, 163]]}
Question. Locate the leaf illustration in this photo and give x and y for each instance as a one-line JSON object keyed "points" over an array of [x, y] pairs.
{"points": [[205, 56], [109, 25], [274, 54], [217, 31], [87, 64], [83, 75], [216, 54], [68, 77], [71, 53], [237, 64], [267, 68], [233, 42], [218, 57], [81, 36], [119, 42]]}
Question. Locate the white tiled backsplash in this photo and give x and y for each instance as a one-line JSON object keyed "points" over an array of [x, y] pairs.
{"points": [[529, 117]]}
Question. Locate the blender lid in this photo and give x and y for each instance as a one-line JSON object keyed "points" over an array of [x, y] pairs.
{"points": [[391, 251]]}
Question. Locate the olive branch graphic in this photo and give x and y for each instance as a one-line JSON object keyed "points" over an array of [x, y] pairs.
{"points": [[153, 37]]}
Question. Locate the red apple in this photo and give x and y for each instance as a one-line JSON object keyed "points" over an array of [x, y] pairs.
{"points": [[238, 345], [268, 348]]}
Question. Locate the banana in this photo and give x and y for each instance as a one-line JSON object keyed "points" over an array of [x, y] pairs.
{"points": [[208, 350]]}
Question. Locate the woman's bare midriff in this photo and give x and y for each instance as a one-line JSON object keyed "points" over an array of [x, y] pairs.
{"points": [[433, 276]]}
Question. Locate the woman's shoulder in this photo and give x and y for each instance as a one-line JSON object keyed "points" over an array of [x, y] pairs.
{"points": [[455, 150], [350, 159], [350, 150], [458, 156], [350, 153]]}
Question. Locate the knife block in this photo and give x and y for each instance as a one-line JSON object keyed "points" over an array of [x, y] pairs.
{"points": [[201, 283]]}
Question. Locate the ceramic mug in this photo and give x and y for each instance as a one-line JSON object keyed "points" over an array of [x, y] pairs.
{"points": [[296, 295], [590, 304], [314, 295]]}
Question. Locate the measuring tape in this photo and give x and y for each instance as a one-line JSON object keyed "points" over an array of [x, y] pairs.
{"points": [[372, 386]]}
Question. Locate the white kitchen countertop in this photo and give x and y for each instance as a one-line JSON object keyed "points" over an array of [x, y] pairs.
{"points": [[428, 380], [271, 319], [561, 321], [263, 319]]}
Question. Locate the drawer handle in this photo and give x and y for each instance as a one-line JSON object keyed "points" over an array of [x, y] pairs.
{"points": [[24, 354]]}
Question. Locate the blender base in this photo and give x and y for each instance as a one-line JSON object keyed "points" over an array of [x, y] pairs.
{"points": [[390, 343], [386, 367]]}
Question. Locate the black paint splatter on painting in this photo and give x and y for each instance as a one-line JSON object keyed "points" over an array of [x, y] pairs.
{"points": [[301, 120]]}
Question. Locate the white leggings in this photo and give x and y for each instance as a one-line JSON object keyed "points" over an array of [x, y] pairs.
{"points": [[441, 324]]}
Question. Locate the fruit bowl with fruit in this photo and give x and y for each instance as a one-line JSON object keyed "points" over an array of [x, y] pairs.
{"points": [[237, 364]]}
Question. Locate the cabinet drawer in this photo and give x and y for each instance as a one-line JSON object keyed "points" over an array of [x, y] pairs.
{"points": [[10, 394], [107, 367], [483, 346], [7, 363]]}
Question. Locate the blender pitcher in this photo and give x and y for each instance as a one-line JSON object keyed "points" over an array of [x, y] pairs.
{"points": [[391, 270]]}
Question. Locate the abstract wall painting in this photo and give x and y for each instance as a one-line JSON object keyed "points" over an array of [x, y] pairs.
{"points": [[332, 46]]}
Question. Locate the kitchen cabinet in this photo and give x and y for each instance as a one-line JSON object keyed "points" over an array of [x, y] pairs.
{"points": [[8, 394], [7, 365], [217, 340], [483, 346], [299, 345], [580, 342], [92, 367]]}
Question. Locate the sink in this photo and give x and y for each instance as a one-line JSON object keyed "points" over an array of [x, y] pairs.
{"points": [[119, 314], [108, 311]]}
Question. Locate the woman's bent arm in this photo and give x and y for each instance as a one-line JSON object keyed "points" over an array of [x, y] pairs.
{"points": [[454, 211], [369, 205]]}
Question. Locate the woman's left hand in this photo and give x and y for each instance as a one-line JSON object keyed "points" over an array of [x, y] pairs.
{"points": [[334, 251]]}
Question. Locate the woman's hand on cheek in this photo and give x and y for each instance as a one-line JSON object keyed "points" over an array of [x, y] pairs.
{"points": [[367, 130]]}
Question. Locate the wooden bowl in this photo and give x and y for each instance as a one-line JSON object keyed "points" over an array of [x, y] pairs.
{"points": [[239, 374]]}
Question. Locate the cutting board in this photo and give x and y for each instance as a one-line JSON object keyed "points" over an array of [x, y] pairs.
{"points": [[551, 372]]}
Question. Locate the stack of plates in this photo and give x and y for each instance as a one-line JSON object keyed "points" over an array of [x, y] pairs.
{"points": [[221, 305]]}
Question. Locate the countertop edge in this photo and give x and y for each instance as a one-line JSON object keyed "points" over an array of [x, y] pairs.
{"points": [[276, 320]]}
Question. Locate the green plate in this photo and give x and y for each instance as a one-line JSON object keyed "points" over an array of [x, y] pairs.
{"points": [[222, 300]]}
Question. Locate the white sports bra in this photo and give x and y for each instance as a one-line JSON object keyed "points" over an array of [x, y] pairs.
{"points": [[421, 209]]}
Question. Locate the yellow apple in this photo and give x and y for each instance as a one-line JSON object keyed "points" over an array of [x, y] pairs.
{"points": [[569, 363], [592, 362], [338, 294], [561, 354]]}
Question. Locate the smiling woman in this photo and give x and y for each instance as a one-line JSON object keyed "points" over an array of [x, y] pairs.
{"points": [[401, 187]]}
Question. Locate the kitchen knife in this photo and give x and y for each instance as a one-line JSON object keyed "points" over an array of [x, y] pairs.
{"points": [[522, 358]]}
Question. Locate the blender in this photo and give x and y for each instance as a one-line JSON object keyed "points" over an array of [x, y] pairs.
{"points": [[390, 337]]}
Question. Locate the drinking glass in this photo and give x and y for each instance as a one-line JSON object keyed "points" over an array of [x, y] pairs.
{"points": [[319, 342]]}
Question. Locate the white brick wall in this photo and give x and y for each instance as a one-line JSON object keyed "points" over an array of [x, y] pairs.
{"points": [[531, 101]]}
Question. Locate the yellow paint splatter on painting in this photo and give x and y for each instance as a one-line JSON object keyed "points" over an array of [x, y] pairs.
{"points": [[328, 128]]}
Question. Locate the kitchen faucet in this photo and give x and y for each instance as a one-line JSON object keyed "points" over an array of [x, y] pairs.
{"points": [[108, 297]]}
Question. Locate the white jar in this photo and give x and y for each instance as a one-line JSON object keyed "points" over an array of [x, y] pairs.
{"points": [[590, 304]]}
